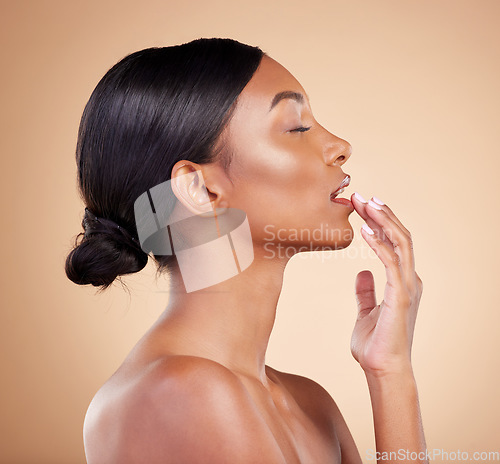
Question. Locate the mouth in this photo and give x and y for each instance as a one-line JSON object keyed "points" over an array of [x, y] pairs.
{"points": [[341, 187]]}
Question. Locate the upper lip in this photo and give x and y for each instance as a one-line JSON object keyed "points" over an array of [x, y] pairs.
{"points": [[345, 182]]}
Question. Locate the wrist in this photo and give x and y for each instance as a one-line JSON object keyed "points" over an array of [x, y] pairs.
{"points": [[392, 388], [401, 375], [390, 368]]}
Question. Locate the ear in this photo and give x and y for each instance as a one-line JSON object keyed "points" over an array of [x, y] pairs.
{"points": [[200, 189]]}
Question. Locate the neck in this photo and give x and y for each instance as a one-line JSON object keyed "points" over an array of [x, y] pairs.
{"points": [[230, 322]]}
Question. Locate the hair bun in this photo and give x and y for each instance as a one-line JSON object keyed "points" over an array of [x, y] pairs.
{"points": [[106, 250], [93, 224]]}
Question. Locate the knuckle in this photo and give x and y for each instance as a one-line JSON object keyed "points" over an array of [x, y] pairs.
{"points": [[389, 234], [409, 241], [379, 235]]}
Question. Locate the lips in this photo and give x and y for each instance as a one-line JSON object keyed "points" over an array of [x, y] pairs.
{"points": [[342, 186]]}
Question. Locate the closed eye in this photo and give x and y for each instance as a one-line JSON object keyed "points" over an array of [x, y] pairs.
{"points": [[300, 129]]}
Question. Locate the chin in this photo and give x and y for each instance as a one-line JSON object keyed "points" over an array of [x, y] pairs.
{"points": [[340, 237], [342, 245]]}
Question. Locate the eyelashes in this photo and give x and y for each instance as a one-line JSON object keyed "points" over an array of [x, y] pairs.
{"points": [[301, 129]]}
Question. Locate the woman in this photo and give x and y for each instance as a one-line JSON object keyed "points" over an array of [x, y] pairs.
{"points": [[195, 388]]}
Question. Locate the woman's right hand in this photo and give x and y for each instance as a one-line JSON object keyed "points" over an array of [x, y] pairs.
{"points": [[383, 334]]}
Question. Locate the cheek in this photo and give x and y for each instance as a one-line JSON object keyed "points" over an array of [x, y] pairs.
{"points": [[273, 167], [274, 200], [272, 181]]}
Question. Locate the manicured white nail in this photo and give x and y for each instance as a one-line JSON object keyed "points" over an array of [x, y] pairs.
{"points": [[378, 200], [359, 197], [374, 205], [367, 229]]}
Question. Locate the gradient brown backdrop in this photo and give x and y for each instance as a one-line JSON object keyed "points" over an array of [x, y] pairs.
{"points": [[412, 85]]}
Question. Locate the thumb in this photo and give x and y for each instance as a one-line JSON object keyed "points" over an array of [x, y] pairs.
{"points": [[365, 293]]}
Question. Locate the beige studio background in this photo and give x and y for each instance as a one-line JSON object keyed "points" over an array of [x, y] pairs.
{"points": [[412, 85]]}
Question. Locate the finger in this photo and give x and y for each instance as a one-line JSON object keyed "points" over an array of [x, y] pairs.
{"points": [[360, 205], [390, 259], [391, 214], [400, 240], [365, 293]]}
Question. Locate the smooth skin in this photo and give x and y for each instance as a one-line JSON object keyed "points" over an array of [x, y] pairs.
{"points": [[195, 388]]}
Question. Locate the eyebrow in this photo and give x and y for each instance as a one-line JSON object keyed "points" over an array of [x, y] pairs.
{"points": [[298, 97]]}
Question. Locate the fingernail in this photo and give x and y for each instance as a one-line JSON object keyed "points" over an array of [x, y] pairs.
{"points": [[378, 200], [367, 229], [374, 205], [359, 197]]}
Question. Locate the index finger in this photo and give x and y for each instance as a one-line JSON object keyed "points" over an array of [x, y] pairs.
{"points": [[400, 237], [391, 215]]}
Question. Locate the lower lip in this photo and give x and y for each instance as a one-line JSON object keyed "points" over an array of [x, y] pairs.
{"points": [[342, 201]]}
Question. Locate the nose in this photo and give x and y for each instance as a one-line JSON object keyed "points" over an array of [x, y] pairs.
{"points": [[337, 151]]}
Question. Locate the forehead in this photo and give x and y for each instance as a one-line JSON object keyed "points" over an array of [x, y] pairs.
{"points": [[269, 79]]}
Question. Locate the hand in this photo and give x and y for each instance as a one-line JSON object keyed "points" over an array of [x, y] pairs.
{"points": [[383, 334]]}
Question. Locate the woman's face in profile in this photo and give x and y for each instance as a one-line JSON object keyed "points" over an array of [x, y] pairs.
{"points": [[285, 165]]}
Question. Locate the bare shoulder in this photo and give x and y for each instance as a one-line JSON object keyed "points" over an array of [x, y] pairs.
{"points": [[181, 409], [309, 394], [319, 405]]}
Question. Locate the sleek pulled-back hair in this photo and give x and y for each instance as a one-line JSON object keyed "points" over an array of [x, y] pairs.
{"points": [[153, 108]]}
